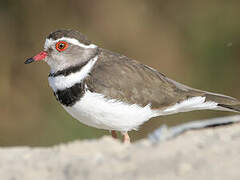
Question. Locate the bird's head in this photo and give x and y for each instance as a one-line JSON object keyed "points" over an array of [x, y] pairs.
{"points": [[64, 49]]}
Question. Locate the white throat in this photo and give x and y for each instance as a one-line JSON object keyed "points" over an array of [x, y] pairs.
{"points": [[62, 82]]}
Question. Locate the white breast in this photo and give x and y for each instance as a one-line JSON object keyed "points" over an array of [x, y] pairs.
{"points": [[95, 110]]}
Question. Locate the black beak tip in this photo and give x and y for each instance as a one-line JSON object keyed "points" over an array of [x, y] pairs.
{"points": [[28, 61]]}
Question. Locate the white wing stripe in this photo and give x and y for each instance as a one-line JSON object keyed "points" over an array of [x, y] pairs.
{"points": [[194, 103]]}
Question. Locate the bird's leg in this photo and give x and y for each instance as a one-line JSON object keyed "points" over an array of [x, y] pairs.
{"points": [[114, 134], [126, 138]]}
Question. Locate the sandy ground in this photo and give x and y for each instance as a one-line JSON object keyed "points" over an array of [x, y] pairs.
{"points": [[212, 153]]}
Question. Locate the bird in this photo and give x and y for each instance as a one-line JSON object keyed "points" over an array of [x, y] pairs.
{"points": [[110, 91]]}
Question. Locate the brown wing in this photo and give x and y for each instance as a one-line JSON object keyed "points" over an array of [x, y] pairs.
{"points": [[118, 77]]}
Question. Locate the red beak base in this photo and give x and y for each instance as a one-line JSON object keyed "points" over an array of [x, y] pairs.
{"points": [[39, 57]]}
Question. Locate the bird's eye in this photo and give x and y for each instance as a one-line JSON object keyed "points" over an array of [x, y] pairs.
{"points": [[61, 46]]}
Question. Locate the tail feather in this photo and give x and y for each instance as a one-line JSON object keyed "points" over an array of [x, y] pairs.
{"points": [[235, 108], [225, 102]]}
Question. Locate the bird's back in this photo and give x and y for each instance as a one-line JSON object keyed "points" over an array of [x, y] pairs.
{"points": [[119, 77]]}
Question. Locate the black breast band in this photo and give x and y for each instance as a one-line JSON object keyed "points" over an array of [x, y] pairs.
{"points": [[70, 96]]}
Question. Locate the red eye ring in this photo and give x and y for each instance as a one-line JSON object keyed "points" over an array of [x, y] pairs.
{"points": [[61, 46]]}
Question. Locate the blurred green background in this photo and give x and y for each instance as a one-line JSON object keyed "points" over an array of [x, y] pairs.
{"points": [[194, 42]]}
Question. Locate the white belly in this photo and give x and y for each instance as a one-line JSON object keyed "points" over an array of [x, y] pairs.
{"points": [[96, 111]]}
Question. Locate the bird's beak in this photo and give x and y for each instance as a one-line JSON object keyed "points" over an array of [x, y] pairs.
{"points": [[39, 57]]}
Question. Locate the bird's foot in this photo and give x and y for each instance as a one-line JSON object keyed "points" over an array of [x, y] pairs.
{"points": [[114, 134], [126, 138]]}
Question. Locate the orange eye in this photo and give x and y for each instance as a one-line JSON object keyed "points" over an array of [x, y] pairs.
{"points": [[61, 46]]}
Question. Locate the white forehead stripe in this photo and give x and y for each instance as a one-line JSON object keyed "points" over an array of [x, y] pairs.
{"points": [[50, 42], [62, 82]]}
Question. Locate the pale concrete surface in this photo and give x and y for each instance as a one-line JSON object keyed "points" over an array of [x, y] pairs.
{"points": [[212, 154]]}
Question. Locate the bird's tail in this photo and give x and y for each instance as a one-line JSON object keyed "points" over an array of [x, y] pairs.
{"points": [[235, 108], [225, 103], [196, 99]]}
